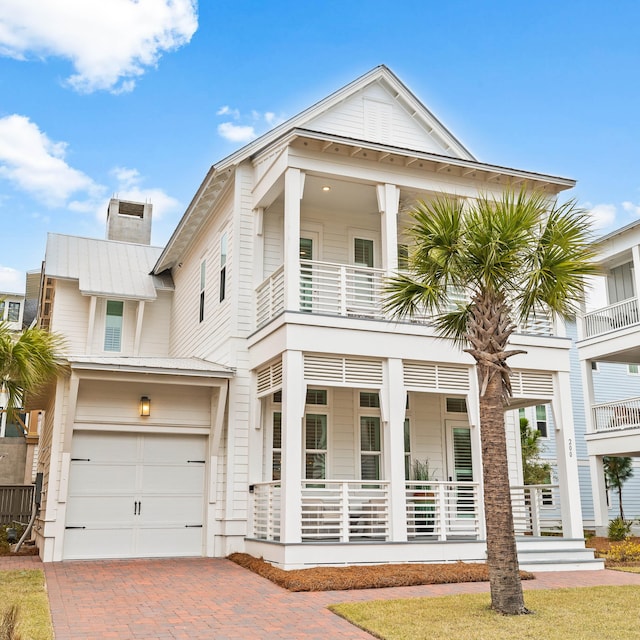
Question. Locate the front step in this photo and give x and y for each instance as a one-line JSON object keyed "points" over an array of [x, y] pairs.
{"points": [[556, 554]]}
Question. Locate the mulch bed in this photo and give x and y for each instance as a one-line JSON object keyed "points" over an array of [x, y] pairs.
{"points": [[602, 545], [366, 577]]}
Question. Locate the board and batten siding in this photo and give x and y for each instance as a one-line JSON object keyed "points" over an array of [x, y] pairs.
{"points": [[154, 340], [71, 315], [359, 117]]}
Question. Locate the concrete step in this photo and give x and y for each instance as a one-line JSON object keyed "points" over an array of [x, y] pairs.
{"points": [[595, 564], [557, 555]]}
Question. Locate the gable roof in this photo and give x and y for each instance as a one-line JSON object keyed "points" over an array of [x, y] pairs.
{"points": [[105, 267]]}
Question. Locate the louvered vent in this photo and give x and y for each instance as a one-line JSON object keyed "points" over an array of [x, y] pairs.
{"points": [[532, 384], [436, 377], [352, 371], [269, 378]]}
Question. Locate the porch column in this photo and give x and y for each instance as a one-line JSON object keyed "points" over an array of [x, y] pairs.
{"points": [[293, 398], [293, 189], [388, 201], [635, 252], [599, 489], [473, 414], [567, 458], [394, 402]]}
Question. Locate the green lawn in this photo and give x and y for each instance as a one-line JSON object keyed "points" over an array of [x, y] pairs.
{"points": [[26, 589], [586, 613]]}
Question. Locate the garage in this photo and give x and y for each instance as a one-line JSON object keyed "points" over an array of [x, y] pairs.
{"points": [[135, 495]]}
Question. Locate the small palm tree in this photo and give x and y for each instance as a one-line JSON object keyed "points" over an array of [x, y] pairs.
{"points": [[28, 361], [515, 256], [617, 471]]}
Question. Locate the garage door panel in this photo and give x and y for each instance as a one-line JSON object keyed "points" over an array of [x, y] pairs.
{"points": [[91, 478], [172, 479], [173, 449], [101, 510], [105, 447], [98, 543], [174, 541], [172, 511]]}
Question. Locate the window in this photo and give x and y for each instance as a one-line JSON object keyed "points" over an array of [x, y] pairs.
{"points": [[633, 369], [456, 405], [113, 325], [370, 451], [13, 314], [306, 275], [277, 397], [315, 446], [223, 266], [407, 449], [1, 309], [541, 420], [370, 399], [403, 257], [594, 365], [363, 252], [316, 396], [276, 456], [203, 277]]}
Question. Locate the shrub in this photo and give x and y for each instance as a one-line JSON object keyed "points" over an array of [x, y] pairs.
{"points": [[619, 529], [627, 551]]}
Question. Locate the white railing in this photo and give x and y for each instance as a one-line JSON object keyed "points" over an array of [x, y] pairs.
{"points": [[536, 509], [623, 414], [345, 510], [266, 511], [539, 324], [615, 316], [442, 510], [340, 289], [270, 297]]}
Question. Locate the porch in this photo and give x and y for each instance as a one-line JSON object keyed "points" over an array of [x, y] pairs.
{"points": [[611, 318]]}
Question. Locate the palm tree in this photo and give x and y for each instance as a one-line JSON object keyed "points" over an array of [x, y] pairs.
{"points": [[28, 360], [617, 471], [515, 256]]}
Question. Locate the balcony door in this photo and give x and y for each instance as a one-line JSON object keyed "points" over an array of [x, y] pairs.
{"points": [[460, 468], [361, 295], [306, 273]]}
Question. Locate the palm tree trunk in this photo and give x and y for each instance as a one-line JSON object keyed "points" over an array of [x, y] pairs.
{"points": [[620, 500], [502, 557]]}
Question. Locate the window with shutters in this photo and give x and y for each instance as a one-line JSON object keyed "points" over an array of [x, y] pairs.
{"points": [[276, 456], [403, 257], [462, 470], [363, 252], [113, 325], [370, 435], [407, 449], [203, 275], [315, 438], [541, 419]]}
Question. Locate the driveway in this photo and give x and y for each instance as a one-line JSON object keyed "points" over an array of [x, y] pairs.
{"points": [[198, 598]]}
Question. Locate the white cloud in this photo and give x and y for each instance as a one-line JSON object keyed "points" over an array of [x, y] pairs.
{"points": [[236, 132], [110, 44], [631, 207], [226, 110], [34, 163], [11, 280], [602, 215]]}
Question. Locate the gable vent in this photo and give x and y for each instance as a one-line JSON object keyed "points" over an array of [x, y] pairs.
{"points": [[532, 384], [436, 377], [337, 370], [377, 120], [269, 378]]}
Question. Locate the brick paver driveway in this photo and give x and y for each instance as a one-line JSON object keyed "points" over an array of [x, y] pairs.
{"points": [[200, 598]]}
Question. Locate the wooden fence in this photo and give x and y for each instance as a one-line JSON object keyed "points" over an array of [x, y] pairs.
{"points": [[15, 503]]}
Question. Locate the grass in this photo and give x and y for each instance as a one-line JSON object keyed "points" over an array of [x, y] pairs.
{"points": [[366, 577], [628, 569], [588, 613], [26, 590]]}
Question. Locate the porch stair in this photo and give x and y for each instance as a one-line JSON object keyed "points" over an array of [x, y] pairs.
{"points": [[556, 554]]}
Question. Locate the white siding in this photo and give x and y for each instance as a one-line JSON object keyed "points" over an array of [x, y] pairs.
{"points": [[71, 315], [154, 340], [342, 440]]}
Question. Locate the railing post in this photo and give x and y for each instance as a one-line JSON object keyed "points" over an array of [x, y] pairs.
{"points": [[534, 498], [343, 290], [441, 514], [344, 512]]}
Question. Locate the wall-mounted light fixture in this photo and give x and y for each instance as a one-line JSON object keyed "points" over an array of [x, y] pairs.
{"points": [[145, 406]]}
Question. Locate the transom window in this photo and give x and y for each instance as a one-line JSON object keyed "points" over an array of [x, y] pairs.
{"points": [[316, 396], [370, 399], [113, 325]]}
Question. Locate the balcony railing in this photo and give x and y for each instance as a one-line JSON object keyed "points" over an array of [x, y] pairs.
{"points": [[615, 316], [610, 416], [536, 509], [354, 292]]}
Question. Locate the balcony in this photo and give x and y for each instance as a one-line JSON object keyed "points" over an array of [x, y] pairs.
{"points": [[616, 316], [614, 416], [356, 511], [328, 288]]}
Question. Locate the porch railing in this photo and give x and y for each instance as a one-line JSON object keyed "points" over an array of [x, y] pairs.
{"points": [[266, 511], [615, 316], [623, 414], [349, 291], [15, 503], [442, 510], [536, 509], [270, 297]]}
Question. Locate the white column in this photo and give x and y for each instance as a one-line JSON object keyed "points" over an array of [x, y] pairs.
{"points": [[599, 489], [293, 399], [293, 187], [258, 247], [473, 414], [587, 391], [566, 457], [393, 408], [388, 203]]}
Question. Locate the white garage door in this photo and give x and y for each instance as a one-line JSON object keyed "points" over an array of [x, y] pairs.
{"points": [[135, 495]]}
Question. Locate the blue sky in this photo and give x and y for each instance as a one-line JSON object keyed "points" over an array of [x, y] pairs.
{"points": [[138, 99]]}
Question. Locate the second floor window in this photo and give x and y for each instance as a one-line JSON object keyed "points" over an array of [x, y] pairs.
{"points": [[13, 313], [203, 274], [223, 267], [113, 325]]}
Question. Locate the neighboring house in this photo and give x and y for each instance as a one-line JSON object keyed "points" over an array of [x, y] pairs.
{"points": [[241, 389], [610, 381], [12, 309], [611, 334]]}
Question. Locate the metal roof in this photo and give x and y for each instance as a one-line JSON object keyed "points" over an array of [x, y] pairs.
{"points": [[105, 267], [167, 366]]}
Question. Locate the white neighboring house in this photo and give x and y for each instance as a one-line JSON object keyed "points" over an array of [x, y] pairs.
{"points": [[611, 334], [286, 407]]}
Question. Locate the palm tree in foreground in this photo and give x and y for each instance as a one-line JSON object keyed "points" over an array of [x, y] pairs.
{"points": [[28, 361], [516, 256]]}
